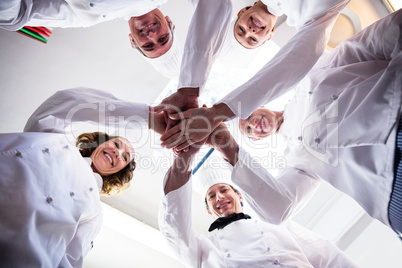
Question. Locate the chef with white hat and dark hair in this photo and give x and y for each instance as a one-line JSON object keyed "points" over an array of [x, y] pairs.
{"points": [[236, 239]]}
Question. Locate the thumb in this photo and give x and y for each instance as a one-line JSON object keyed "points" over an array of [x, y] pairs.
{"points": [[156, 109], [179, 116]]}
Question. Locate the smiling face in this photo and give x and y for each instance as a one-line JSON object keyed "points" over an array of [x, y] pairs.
{"points": [[112, 156], [261, 123], [254, 26], [151, 33], [223, 200]]}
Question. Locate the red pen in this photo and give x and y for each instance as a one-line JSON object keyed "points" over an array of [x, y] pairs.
{"points": [[35, 29], [44, 29]]}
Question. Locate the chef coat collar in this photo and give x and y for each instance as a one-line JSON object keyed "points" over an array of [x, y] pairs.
{"points": [[223, 221]]}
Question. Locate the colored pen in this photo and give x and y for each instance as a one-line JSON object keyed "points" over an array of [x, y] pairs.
{"points": [[37, 30], [44, 29], [203, 160], [30, 36], [37, 36]]}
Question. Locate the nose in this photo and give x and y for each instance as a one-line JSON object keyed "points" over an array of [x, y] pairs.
{"points": [[150, 33], [251, 29], [119, 153], [255, 123], [219, 197]]}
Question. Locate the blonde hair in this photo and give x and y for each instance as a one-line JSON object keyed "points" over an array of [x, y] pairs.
{"points": [[112, 184]]}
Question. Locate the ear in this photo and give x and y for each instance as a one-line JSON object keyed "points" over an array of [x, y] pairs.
{"points": [[270, 35], [209, 212], [130, 36], [169, 21], [241, 12], [240, 197]]}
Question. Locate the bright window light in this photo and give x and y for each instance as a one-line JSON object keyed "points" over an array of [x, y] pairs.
{"points": [[393, 5]]}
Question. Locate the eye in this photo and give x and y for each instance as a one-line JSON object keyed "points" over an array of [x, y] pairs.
{"points": [[242, 29], [249, 130], [253, 39], [224, 190], [116, 144], [211, 196], [163, 38], [125, 157]]}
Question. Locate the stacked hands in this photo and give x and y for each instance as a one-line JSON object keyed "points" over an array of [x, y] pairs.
{"points": [[189, 127]]}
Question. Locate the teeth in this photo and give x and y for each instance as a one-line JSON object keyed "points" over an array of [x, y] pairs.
{"points": [[257, 23], [147, 27], [110, 159]]}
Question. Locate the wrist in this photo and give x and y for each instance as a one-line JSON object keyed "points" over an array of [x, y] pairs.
{"points": [[189, 91], [230, 152], [222, 110]]}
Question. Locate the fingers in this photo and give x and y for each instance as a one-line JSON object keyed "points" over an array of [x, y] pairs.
{"points": [[157, 109], [173, 131], [181, 115]]}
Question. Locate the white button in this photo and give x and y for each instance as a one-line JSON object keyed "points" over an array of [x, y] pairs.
{"points": [[66, 147], [317, 140], [18, 154], [299, 138], [46, 150], [49, 200], [276, 262], [268, 249], [71, 194], [91, 4]]}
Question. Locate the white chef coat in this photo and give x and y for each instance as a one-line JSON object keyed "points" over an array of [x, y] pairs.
{"points": [[70, 13], [49, 202], [205, 36], [313, 20], [49, 197], [340, 127], [244, 243], [78, 110]]}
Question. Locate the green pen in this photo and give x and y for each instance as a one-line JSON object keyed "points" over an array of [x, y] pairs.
{"points": [[37, 36]]}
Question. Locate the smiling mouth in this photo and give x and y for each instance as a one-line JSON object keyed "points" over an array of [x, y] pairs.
{"points": [[257, 23], [222, 205], [145, 28], [110, 158]]}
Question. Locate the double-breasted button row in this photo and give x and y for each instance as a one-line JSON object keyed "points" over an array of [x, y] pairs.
{"points": [[46, 150], [92, 5]]}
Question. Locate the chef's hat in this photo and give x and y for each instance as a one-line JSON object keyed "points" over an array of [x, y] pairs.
{"points": [[209, 175], [169, 63], [233, 53]]}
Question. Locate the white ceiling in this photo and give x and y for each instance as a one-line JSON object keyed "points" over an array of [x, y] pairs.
{"points": [[101, 57]]}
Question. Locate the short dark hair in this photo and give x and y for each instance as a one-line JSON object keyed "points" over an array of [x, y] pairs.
{"points": [[234, 189], [112, 184]]}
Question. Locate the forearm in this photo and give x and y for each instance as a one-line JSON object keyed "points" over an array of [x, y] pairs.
{"points": [[274, 199], [179, 174], [290, 65], [66, 109], [206, 35], [229, 151]]}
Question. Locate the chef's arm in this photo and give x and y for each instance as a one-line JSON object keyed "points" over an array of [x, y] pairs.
{"points": [[273, 198]]}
